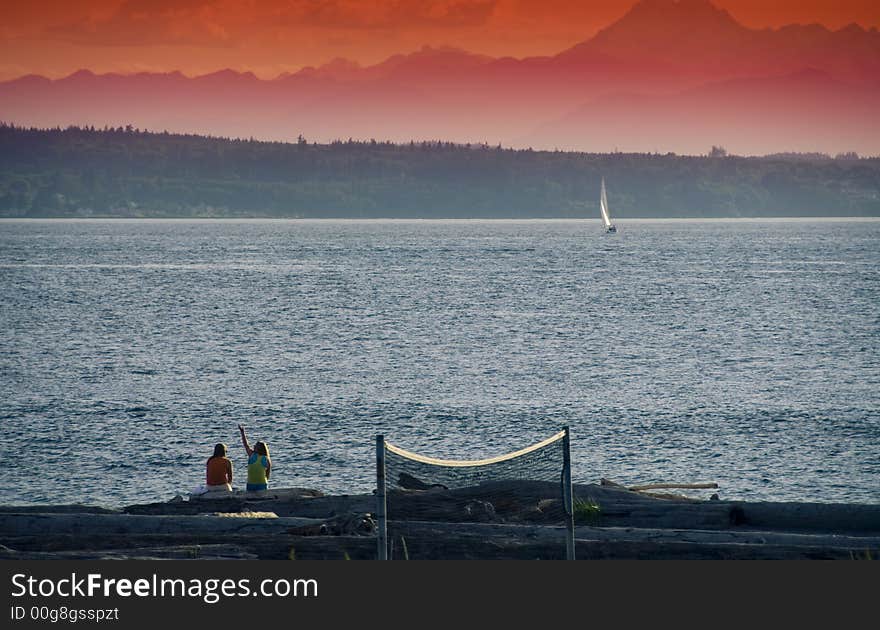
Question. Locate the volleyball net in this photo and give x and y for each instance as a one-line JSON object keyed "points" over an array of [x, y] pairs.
{"points": [[516, 505]]}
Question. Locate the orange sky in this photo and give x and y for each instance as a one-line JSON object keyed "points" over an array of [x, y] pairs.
{"points": [[57, 37]]}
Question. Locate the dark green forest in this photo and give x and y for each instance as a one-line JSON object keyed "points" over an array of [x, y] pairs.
{"points": [[126, 172]]}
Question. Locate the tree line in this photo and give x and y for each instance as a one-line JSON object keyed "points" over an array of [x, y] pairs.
{"points": [[127, 172]]}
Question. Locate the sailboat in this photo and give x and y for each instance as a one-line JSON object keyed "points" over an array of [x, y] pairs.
{"points": [[603, 206]]}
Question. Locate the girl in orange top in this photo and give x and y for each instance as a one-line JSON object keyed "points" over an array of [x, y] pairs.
{"points": [[219, 470]]}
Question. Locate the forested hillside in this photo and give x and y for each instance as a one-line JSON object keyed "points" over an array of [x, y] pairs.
{"points": [[125, 172]]}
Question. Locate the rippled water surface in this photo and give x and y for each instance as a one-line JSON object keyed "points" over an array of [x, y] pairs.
{"points": [[740, 352]]}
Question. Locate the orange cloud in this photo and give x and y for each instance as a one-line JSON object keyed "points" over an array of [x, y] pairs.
{"points": [[209, 22], [401, 14], [148, 23]]}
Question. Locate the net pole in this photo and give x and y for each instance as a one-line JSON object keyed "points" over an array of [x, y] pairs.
{"points": [[381, 503], [567, 499]]}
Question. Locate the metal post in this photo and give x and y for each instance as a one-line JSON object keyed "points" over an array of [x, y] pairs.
{"points": [[567, 499], [381, 506]]}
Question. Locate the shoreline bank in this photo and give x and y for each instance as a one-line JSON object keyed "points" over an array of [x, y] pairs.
{"points": [[504, 520]]}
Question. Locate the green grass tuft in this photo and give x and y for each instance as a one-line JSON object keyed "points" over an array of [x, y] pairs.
{"points": [[587, 512], [866, 555]]}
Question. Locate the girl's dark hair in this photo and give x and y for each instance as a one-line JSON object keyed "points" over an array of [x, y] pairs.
{"points": [[219, 450], [262, 448]]}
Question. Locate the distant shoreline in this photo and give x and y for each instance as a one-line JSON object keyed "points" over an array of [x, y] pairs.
{"points": [[83, 173]]}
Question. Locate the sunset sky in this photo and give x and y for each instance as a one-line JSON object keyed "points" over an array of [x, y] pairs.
{"points": [[56, 37]]}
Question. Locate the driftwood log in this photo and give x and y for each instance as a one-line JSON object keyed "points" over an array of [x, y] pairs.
{"points": [[512, 519], [666, 486]]}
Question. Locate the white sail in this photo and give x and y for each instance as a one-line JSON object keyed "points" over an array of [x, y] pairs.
{"points": [[603, 206]]}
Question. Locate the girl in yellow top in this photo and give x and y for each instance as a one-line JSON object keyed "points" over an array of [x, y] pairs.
{"points": [[259, 464]]}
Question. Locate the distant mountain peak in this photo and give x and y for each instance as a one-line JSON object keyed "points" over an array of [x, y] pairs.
{"points": [[427, 61], [82, 73], [227, 73], [336, 68], [678, 15], [852, 27], [442, 53], [668, 28], [692, 7], [33, 79]]}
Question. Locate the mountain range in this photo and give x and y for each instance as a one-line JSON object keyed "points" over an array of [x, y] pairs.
{"points": [[669, 76]]}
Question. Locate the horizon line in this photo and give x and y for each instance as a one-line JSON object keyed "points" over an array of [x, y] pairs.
{"points": [[764, 219]]}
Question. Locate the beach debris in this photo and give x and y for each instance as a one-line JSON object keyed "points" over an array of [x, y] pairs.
{"points": [[480, 511], [409, 482], [247, 514], [347, 525], [319, 529], [645, 489], [666, 486], [358, 525]]}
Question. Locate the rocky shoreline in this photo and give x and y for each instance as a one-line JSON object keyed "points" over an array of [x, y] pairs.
{"points": [[502, 520]]}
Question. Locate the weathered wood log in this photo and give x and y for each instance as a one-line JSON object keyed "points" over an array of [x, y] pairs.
{"points": [[503, 519], [488, 532], [682, 515], [617, 550], [669, 496], [612, 484], [186, 528], [830, 517], [73, 508], [269, 547], [664, 486], [453, 506], [304, 506], [172, 552], [428, 545], [510, 497], [91, 524], [455, 540], [475, 540], [520, 501], [271, 494]]}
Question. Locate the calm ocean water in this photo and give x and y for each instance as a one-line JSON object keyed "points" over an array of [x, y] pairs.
{"points": [[741, 352]]}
